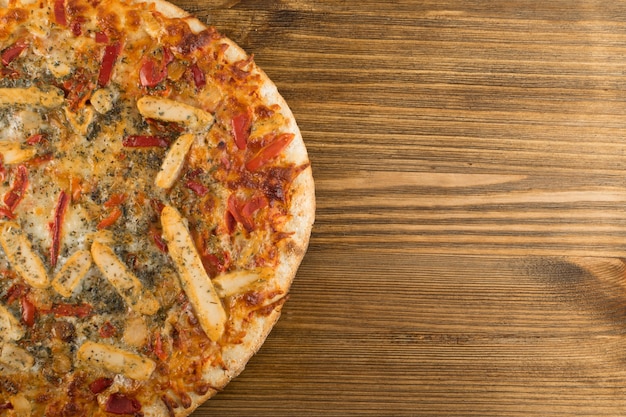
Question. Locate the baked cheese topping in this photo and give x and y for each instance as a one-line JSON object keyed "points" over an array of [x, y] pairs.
{"points": [[144, 193]]}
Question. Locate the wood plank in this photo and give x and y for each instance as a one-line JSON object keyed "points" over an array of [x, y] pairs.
{"points": [[467, 254]]}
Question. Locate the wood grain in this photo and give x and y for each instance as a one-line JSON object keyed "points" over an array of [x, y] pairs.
{"points": [[469, 162]]}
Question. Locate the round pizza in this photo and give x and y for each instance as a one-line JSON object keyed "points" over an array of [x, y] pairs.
{"points": [[156, 200]]}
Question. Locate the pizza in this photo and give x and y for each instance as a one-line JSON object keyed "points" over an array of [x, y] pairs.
{"points": [[156, 200]]}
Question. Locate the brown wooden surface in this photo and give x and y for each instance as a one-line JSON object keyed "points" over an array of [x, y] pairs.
{"points": [[470, 163]]}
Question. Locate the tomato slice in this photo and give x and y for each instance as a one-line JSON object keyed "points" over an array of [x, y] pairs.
{"points": [[151, 73]]}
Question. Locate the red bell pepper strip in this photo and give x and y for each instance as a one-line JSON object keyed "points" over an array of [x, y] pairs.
{"points": [[139, 141], [35, 139], [70, 310], [233, 208], [241, 129], [77, 25], [157, 206], [102, 37], [115, 214], [199, 79], [158, 239], [111, 52], [59, 12], [152, 72], [197, 188], [13, 51], [6, 213], [158, 347], [252, 206], [56, 227], [100, 384], [121, 404], [107, 330], [6, 406], [78, 88], [16, 292], [115, 200], [18, 189], [40, 159], [243, 213], [269, 152], [3, 170], [230, 222], [28, 312]]}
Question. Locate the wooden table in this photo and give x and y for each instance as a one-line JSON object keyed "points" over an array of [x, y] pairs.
{"points": [[469, 159]]}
